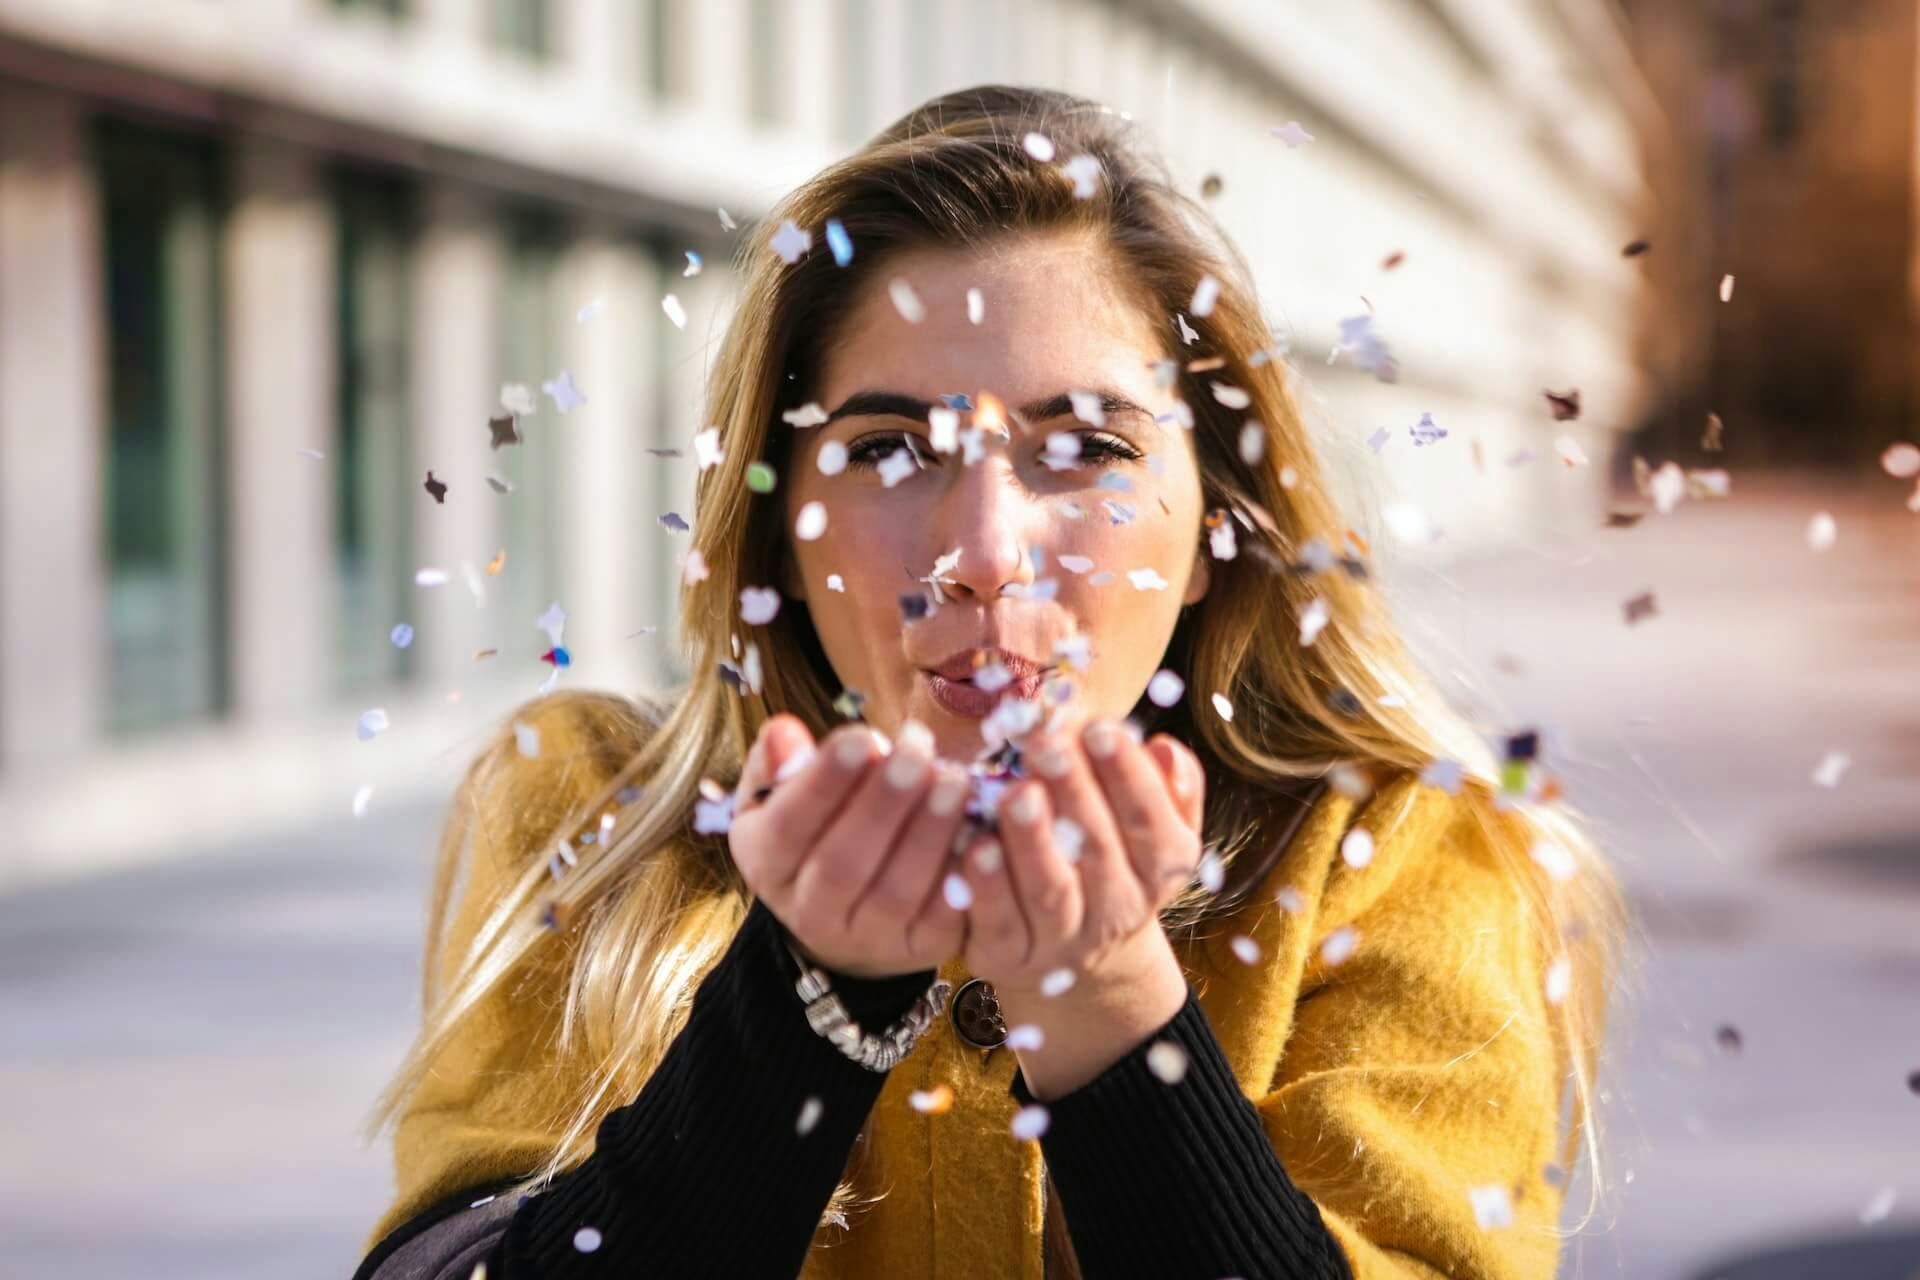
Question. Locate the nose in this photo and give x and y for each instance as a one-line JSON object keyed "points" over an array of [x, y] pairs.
{"points": [[993, 520]]}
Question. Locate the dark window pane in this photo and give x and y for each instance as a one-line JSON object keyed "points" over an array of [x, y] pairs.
{"points": [[521, 25]]}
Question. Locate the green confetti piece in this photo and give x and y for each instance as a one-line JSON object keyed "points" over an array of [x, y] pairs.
{"points": [[1513, 777], [760, 478]]}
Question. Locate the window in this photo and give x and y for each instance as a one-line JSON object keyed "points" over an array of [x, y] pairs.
{"points": [[521, 25], [764, 72], [667, 49], [165, 587], [529, 353], [856, 44], [373, 470]]}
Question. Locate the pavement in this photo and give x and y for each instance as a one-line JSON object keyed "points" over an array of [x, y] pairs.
{"points": [[193, 1044]]}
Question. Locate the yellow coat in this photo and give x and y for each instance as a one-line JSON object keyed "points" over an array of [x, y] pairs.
{"points": [[1391, 1084]]}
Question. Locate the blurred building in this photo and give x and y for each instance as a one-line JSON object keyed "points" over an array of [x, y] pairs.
{"points": [[1787, 163], [266, 263]]}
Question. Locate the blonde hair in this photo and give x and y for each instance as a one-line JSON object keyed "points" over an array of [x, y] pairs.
{"points": [[650, 906]]}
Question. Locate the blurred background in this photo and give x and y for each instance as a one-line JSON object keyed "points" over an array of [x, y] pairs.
{"points": [[264, 263]]}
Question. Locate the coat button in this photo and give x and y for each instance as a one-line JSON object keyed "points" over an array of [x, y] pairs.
{"points": [[976, 1015]]}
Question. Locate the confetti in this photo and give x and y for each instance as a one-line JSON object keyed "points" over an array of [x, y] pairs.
{"points": [[1165, 688], [1369, 351], [436, 489], [897, 466], [1068, 836], [1245, 949], [372, 724], [1444, 774], [1313, 620], [315, 454], [1726, 288], [498, 485], [1212, 872], [1292, 134], [1027, 1037], [835, 583], [1146, 580], [1832, 767], [694, 567], [1640, 607], [976, 306], [1570, 451], [791, 241], [811, 522], [1290, 901], [565, 395], [726, 220], [1211, 186], [1821, 531], [840, 242], [931, 1102], [673, 522], [1426, 431], [1087, 408], [1357, 847], [758, 605], [401, 635], [675, 312], [1338, 947], [809, 414], [1039, 146], [906, 301], [957, 892], [558, 658], [1901, 461], [945, 422], [1205, 294], [553, 621], [713, 816], [1056, 983], [706, 448], [503, 432], [761, 478], [1667, 487], [1728, 1039], [1085, 172], [361, 798], [1231, 396], [430, 578], [517, 399], [586, 1240], [694, 265], [1378, 440], [1555, 860], [1168, 1061], [1877, 1209], [832, 458], [1563, 405], [809, 1116], [1222, 707], [1222, 543], [1559, 981], [1030, 1122], [1492, 1207]]}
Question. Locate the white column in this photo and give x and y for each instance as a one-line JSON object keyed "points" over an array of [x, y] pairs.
{"points": [[603, 41], [607, 522], [812, 69], [278, 264], [53, 421], [719, 55], [887, 64], [456, 387], [457, 20]]}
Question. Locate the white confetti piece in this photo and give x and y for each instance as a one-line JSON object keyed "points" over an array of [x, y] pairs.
{"points": [[1357, 847], [976, 306], [1338, 948], [675, 312], [791, 241], [1223, 543], [1821, 531], [1289, 477], [565, 395], [586, 1240], [1205, 294], [1212, 872], [1726, 288], [1290, 901], [726, 220], [1026, 1038], [1877, 1209], [706, 448], [931, 1102], [897, 466], [553, 621], [1062, 450], [832, 458], [1029, 1123], [1378, 440], [1444, 774], [1088, 408], [361, 799], [517, 398], [401, 635], [1165, 688], [1231, 396], [1074, 564], [1068, 836], [1039, 146], [945, 428], [1168, 1061], [906, 301], [811, 522], [1313, 620], [1146, 580], [694, 265], [1292, 134], [1492, 1208], [1570, 451], [315, 454], [526, 740], [430, 578], [1667, 486], [1057, 982], [373, 723], [1085, 173], [1559, 981], [957, 892], [1253, 443], [1901, 461], [713, 816], [836, 583], [758, 605], [809, 1116], [809, 414], [1555, 860], [1830, 769], [1245, 949], [1222, 707], [694, 567]]}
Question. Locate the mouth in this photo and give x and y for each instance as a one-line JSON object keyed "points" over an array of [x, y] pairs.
{"points": [[962, 697]]}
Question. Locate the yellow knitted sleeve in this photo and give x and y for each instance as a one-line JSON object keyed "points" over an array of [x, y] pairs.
{"points": [[1418, 1095]]}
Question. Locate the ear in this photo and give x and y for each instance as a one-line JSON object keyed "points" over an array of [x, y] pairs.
{"points": [[1201, 578]]}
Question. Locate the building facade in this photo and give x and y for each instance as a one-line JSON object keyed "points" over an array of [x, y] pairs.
{"points": [[265, 263]]}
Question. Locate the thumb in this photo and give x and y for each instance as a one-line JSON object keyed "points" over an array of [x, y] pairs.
{"points": [[1181, 771], [782, 746]]}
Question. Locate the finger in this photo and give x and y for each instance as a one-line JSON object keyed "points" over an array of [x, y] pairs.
{"points": [[800, 810], [1185, 779], [997, 935], [856, 842], [1084, 834], [781, 748], [898, 890], [1047, 884], [1163, 849]]}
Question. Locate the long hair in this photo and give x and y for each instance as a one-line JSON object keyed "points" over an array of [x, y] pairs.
{"points": [[650, 906]]}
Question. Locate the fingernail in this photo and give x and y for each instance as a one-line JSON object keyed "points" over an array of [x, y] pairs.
{"points": [[944, 800], [794, 763], [904, 768], [987, 857], [1026, 805], [852, 750], [1102, 738], [917, 736], [1050, 762]]}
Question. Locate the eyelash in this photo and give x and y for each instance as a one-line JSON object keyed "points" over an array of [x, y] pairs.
{"points": [[867, 451]]}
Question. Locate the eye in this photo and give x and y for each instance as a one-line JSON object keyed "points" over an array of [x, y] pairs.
{"points": [[1098, 447]]}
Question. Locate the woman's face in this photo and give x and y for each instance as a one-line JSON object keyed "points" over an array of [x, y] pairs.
{"points": [[1128, 513]]}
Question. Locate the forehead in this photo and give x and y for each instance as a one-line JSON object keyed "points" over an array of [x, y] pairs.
{"points": [[1055, 318]]}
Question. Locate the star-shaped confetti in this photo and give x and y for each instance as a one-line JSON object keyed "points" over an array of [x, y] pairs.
{"points": [[554, 622], [897, 466], [791, 241], [706, 448], [675, 312], [436, 489], [758, 605], [809, 414], [517, 399], [1427, 431], [565, 395], [1085, 173], [504, 431], [1292, 134]]}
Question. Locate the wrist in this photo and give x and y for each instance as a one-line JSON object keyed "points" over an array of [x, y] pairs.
{"points": [[1108, 1012]]}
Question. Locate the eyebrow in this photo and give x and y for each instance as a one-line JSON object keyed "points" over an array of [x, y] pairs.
{"points": [[897, 404]]}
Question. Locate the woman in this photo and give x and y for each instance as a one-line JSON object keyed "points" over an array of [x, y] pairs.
{"points": [[1118, 934]]}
